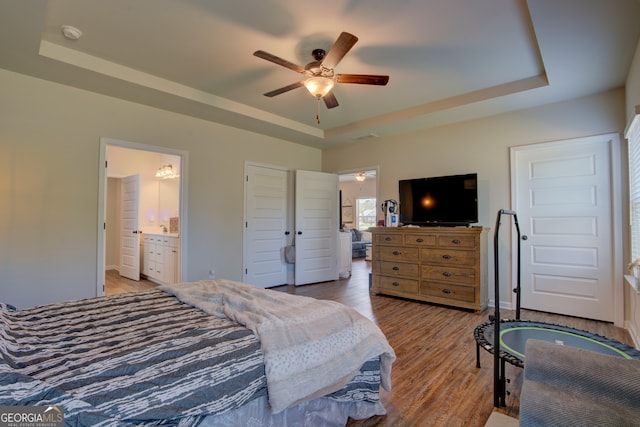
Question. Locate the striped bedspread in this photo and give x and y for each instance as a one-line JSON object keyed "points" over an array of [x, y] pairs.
{"points": [[141, 359]]}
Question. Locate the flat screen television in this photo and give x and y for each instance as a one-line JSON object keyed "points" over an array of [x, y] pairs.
{"points": [[439, 201]]}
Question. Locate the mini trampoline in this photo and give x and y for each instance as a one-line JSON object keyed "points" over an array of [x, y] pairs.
{"points": [[513, 334]]}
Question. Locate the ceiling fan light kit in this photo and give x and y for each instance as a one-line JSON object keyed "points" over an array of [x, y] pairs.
{"points": [[319, 74], [319, 86]]}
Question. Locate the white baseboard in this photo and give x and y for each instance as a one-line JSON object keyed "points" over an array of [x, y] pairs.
{"points": [[503, 305]]}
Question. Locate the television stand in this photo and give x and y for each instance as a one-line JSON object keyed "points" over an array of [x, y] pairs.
{"points": [[443, 265]]}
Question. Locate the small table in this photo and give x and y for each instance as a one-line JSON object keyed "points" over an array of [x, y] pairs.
{"points": [[369, 251]]}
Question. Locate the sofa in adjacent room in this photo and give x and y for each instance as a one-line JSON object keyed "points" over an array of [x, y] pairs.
{"points": [[359, 242]]}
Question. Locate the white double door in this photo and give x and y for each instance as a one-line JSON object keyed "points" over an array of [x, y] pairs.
{"points": [[562, 194], [275, 215]]}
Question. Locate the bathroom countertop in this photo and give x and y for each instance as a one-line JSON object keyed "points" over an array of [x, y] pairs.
{"points": [[164, 234]]}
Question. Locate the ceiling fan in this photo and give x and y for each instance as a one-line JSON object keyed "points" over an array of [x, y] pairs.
{"points": [[319, 74]]}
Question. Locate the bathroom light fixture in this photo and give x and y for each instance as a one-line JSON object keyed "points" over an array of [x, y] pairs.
{"points": [[166, 172]]}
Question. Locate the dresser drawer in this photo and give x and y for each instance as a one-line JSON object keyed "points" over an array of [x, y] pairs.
{"points": [[448, 291], [397, 284], [456, 241], [398, 269], [388, 238], [420, 239], [463, 276], [448, 257], [395, 253]]}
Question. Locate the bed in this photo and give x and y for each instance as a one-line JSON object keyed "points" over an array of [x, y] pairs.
{"points": [[204, 353]]}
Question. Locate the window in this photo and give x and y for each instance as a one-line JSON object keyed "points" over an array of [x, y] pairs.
{"points": [[366, 213], [633, 136]]}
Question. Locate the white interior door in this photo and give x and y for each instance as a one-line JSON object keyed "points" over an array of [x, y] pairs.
{"points": [[562, 195], [316, 227], [129, 229], [266, 234]]}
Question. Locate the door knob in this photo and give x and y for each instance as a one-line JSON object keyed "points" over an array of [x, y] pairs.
{"points": [[525, 237], [299, 233]]}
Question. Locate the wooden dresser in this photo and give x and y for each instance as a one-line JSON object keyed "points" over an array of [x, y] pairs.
{"points": [[444, 265]]}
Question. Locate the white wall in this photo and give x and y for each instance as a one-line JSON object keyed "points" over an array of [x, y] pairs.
{"points": [[480, 146], [49, 153]]}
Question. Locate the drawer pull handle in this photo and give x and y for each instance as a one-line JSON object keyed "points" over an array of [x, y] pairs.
{"points": [[388, 239], [446, 274], [419, 240], [395, 284], [446, 291], [446, 256], [456, 241], [396, 268], [396, 252]]}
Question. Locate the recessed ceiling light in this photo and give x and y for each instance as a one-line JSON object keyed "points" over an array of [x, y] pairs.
{"points": [[70, 32]]}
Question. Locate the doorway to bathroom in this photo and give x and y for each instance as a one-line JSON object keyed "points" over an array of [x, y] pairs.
{"points": [[142, 213]]}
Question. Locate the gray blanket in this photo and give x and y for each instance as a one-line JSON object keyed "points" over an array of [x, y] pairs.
{"points": [[566, 386], [142, 358]]}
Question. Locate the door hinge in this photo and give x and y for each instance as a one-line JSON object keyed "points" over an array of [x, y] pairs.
{"points": [[104, 225], [246, 224], [105, 164], [246, 271]]}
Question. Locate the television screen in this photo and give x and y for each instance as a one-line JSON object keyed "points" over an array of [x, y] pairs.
{"points": [[443, 200]]}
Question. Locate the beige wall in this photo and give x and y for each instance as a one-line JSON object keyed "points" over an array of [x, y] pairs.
{"points": [[480, 146], [632, 87], [49, 154]]}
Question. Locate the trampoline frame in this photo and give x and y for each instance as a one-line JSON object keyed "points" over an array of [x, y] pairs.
{"points": [[500, 356], [499, 379]]}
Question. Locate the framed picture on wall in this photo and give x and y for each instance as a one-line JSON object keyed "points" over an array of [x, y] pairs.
{"points": [[347, 214]]}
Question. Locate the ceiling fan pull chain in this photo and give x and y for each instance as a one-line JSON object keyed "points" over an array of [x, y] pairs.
{"points": [[318, 111]]}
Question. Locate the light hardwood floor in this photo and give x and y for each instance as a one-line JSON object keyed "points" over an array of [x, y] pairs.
{"points": [[435, 379], [116, 284]]}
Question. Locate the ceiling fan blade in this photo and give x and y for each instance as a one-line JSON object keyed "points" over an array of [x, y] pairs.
{"points": [[362, 79], [277, 60], [339, 49], [330, 100], [284, 89]]}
